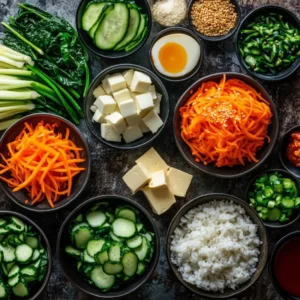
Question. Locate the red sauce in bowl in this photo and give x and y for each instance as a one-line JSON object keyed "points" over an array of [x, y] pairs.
{"points": [[287, 266], [293, 150]]}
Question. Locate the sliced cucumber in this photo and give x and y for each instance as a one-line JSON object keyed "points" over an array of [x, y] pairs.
{"points": [[21, 289], [82, 236], [115, 238], [8, 253], [110, 217], [101, 279], [13, 281], [32, 241], [102, 257], [94, 246], [2, 223], [4, 230], [123, 228], [130, 263], [14, 271], [143, 250], [141, 268], [23, 253], [69, 250], [28, 271], [148, 236], [96, 219], [134, 242], [112, 268], [36, 254], [9, 266], [91, 14], [19, 223], [79, 219], [3, 290], [114, 253], [139, 227], [87, 258], [128, 214], [134, 44], [143, 23]]}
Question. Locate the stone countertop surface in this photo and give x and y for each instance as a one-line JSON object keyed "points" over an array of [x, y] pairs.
{"points": [[109, 165]]}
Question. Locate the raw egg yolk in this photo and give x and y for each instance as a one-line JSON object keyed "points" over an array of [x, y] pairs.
{"points": [[172, 57]]}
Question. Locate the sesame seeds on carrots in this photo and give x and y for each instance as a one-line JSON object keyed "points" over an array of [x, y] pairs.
{"points": [[42, 161], [225, 123]]}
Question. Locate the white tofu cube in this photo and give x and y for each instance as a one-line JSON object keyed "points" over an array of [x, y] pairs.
{"points": [[140, 82], [136, 178], [127, 108], [108, 133], [158, 180], [157, 102], [153, 121], [144, 103], [132, 134], [93, 108], [128, 76], [116, 82], [144, 128], [105, 85], [99, 117], [133, 120], [106, 104], [117, 121], [99, 91], [122, 95], [178, 181], [152, 90]]}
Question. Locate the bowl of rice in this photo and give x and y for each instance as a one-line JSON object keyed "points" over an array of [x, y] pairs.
{"points": [[217, 246]]}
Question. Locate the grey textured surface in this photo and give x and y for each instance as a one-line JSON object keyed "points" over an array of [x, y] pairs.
{"points": [[109, 165]]}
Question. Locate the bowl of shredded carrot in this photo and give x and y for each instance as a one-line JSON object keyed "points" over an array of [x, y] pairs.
{"points": [[44, 162], [226, 125]]}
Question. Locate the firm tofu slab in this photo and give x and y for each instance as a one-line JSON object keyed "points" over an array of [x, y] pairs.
{"points": [[144, 103], [99, 117], [117, 121], [178, 181], [144, 128], [158, 180], [116, 82], [128, 75], [127, 108], [136, 178], [153, 121], [93, 108], [132, 134], [106, 104], [122, 95], [152, 90], [134, 120], [108, 133], [140, 82], [99, 91], [105, 85], [157, 102]]}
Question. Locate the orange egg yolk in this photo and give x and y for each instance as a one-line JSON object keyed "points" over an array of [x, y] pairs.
{"points": [[173, 57]]}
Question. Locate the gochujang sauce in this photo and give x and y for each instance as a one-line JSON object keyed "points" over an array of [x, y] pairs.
{"points": [[293, 150]]}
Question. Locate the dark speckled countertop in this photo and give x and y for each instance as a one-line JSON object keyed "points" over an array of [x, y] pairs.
{"points": [[109, 165]]}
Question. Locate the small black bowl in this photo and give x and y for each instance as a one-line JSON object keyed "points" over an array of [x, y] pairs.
{"points": [[90, 99], [220, 37], [296, 213], [288, 15], [67, 263], [88, 42], [261, 231], [79, 182], [284, 294], [172, 31], [283, 152], [38, 287], [226, 172]]}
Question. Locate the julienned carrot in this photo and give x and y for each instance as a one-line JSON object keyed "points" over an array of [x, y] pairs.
{"points": [[225, 123], [43, 162]]}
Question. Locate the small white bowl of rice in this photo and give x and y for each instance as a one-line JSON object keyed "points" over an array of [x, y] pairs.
{"points": [[217, 246]]}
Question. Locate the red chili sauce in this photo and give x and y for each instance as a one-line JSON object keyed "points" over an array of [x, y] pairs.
{"points": [[287, 267], [293, 150]]}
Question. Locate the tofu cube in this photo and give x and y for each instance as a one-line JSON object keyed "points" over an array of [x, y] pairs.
{"points": [[134, 120], [136, 178], [99, 91], [153, 121], [116, 82], [157, 102], [152, 90], [128, 76], [93, 108], [140, 82], [178, 181], [158, 180], [144, 128], [144, 103], [108, 133], [127, 108], [99, 117], [117, 121], [132, 134], [105, 85], [106, 104], [122, 95]]}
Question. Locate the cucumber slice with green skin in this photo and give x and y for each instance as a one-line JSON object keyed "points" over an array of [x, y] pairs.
{"points": [[130, 263], [123, 228], [143, 23], [23, 253], [80, 225], [94, 246], [28, 271], [86, 268], [143, 250], [91, 15], [128, 214], [8, 253], [4, 230], [134, 242], [96, 219], [87, 258], [14, 271], [21, 289], [113, 27], [9, 266], [134, 44], [112, 268], [110, 217], [133, 26], [36, 254], [37, 263], [101, 279], [114, 253], [19, 223], [13, 281], [115, 238], [139, 227], [3, 290], [2, 223], [148, 236], [29, 279], [102, 257], [32, 241], [3, 269], [82, 236], [79, 219], [69, 250], [141, 268]]}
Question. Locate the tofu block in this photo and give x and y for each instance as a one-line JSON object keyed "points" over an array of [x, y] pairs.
{"points": [[106, 104], [152, 90], [160, 200], [99, 91], [134, 120], [153, 121], [158, 180], [108, 133], [116, 82], [99, 117], [127, 108], [132, 134], [144, 103], [128, 76], [105, 85], [178, 181], [122, 95], [157, 103], [93, 108], [136, 178], [117, 121], [152, 161], [140, 82], [144, 128]]}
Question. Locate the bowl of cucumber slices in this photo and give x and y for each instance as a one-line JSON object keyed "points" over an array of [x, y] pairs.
{"points": [[108, 246], [113, 29]]}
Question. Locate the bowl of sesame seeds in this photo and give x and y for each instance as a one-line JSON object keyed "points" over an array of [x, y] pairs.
{"points": [[214, 20]]}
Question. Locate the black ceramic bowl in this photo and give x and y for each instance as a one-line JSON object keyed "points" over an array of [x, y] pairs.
{"points": [[88, 42], [37, 289], [296, 213], [90, 99], [220, 37], [67, 263], [284, 294], [290, 17], [261, 233], [79, 182], [283, 152], [226, 172], [172, 31]]}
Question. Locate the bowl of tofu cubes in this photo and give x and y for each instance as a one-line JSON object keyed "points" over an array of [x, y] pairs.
{"points": [[126, 107]]}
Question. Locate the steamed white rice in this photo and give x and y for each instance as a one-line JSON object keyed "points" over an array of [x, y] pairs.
{"points": [[216, 246]]}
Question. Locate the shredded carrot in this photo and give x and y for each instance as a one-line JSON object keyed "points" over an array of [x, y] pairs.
{"points": [[225, 123], [43, 162]]}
